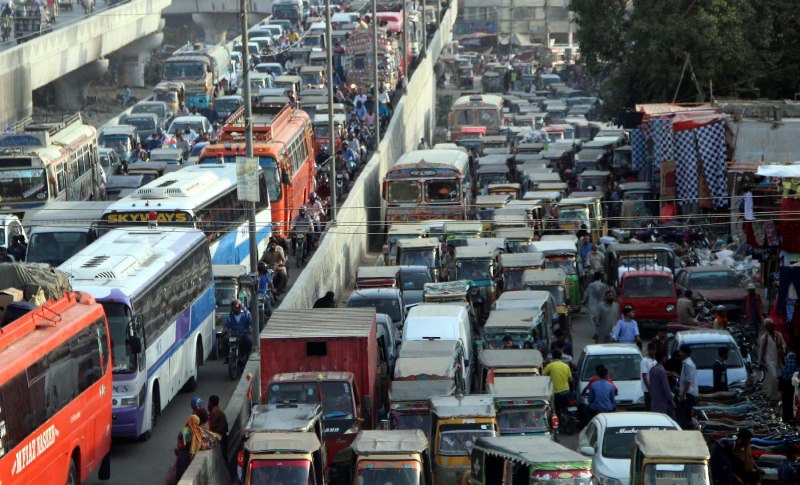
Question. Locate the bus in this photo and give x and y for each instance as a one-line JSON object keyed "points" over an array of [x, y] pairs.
{"points": [[200, 196], [45, 161], [283, 141], [157, 290], [428, 184], [477, 110], [55, 393]]}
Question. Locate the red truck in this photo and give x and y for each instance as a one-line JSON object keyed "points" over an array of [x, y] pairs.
{"points": [[331, 352]]}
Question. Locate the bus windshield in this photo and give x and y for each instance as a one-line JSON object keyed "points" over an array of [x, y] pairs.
{"points": [[183, 70], [442, 191], [404, 191], [119, 315], [279, 471], [23, 184]]}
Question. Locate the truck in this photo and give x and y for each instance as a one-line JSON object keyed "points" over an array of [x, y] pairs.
{"points": [[204, 69], [358, 59], [329, 356]]}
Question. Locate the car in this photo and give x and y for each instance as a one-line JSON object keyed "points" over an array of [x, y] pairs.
{"points": [[622, 361], [198, 123], [412, 281], [158, 108], [195, 152], [607, 440], [652, 295], [109, 160], [383, 300], [719, 285], [705, 346], [146, 124], [274, 31], [226, 105]]}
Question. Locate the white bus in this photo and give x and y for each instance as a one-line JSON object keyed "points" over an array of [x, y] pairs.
{"points": [[201, 196], [157, 290], [61, 229]]}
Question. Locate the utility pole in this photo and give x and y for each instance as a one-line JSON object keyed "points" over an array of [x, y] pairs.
{"points": [[424, 28], [375, 78], [547, 24], [406, 48], [251, 206], [331, 126], [511, 27]]}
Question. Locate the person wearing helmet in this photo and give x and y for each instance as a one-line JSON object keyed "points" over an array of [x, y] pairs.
{"points": [[265, 288], [350, 156], [315, 211], [240, 323], [301, 224], [324, 188]]}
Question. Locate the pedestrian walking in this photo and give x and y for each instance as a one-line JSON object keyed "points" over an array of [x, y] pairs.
{"points": [[607, 316], [593, 298], [601, 395], [720, 370], [627, 329], [688, 388], [647, 363], [661, 398], [787, 389], [771, 349]]}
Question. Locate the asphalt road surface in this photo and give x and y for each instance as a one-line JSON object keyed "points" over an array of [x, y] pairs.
{"points": [[64, 18]]}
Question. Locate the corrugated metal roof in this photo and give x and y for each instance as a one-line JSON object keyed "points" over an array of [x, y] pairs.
{"points": [[473, 405], [320, 322], [399, 441], [766, 141]]}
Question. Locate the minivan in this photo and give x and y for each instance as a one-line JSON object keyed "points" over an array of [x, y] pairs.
{"points": [[705, 346], [441, 321]]}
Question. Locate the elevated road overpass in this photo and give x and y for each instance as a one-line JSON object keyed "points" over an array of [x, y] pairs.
{"points": [[216, 17]]}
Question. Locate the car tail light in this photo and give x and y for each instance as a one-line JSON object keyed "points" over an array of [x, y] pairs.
{"points": [[554, 421]]}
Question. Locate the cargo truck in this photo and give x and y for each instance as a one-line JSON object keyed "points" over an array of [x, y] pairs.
{"points": [[329, 356], [204, 69]]}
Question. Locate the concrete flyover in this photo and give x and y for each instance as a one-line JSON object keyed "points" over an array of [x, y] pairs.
{"points": [[216, 17], [75, 53]]}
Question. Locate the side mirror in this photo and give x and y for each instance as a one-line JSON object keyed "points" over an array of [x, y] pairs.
{"points": [[587, 451], [135, 344]]}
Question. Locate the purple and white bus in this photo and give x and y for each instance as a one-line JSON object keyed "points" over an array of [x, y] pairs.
{"points": [[157, 290]]}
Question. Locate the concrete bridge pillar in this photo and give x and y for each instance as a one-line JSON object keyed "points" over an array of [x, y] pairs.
{"points": [[71, 89], [215, 25], [133, 58]]}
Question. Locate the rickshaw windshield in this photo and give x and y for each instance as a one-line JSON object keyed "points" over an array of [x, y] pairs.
{"points": [[556, 290], [405, 191], [568, 265], [475, 270], [417, 257], [523, 421], [412, 421], [458, 439], [404, 473], [279, 471], [495, 340], [580, 216], [512, 279], [688, 474]]}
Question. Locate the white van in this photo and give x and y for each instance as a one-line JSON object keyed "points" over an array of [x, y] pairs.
{"points": [[61, 229], [441, 321]]}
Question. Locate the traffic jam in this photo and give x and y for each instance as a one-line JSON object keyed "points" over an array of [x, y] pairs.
{"points": [[559, 297]]}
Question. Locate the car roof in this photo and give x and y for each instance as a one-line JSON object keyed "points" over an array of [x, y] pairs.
{"points": [[634, 418], [701, 336], [706, 269], [613, 348], [368, 293]]}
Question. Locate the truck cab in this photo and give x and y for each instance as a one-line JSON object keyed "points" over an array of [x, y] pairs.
{"points": [[400, 457]]}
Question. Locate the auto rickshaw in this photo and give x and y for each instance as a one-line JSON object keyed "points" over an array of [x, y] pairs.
{"points": [[424, 369], [457, 232], [535, 178], [490, 174], [669, 456], [596, 180], [642, 194], [397, 456], [492, 82], [471, 138], [478, 264], [397, 232], [574, 212], [458, 291], [589, 159], [283, 457], [288, 417], [313, 76], [528, 460], [525, 406], [485, 205], [554, 281], [493, 363], [518, 240], [495, 141], [511, 189], [457, 422], [420, 252], [377, 277], [512, 265], [171, 92], [528, 329], [563, 254]]}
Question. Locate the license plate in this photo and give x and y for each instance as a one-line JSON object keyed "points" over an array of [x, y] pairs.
{"points": [[572, 409], [233, 339]]}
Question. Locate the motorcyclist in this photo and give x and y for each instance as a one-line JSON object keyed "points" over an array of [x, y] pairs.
{"points": [[343, 168], [275, 259], [324, 187], [301, 224], [265, 287], [315, 211], [449, 263], [240, 323], [350, 156]]}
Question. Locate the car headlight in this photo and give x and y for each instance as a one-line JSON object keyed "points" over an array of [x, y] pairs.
{"points": [[601, 480], [670, 308], [129, 401], [640, 400]]}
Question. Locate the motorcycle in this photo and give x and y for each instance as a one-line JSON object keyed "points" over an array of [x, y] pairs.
{"points": [[236, 361], [300, 249], [88, 6]]}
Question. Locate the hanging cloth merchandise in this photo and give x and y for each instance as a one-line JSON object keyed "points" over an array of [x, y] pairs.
{"points": [[686, 176], [748, 206], [791, 303], [663, 141], [771, 234], [789, 226], [638, 150], [711, 149]]}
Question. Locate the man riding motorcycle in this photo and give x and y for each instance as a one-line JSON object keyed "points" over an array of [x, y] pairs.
{"points": [[315, 211], [276, 260], [302, 224], [239, 323]]}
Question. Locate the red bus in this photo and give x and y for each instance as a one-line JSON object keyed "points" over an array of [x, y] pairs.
{"points": [[55, 393], [283, 141]]}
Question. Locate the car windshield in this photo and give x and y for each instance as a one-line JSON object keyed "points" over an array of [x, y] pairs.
{"points": [[458, 439], [279, 472], [183, 70], [617, 442], [23, 184], [704, 355], [475, 270], [141, 124], [648, 287], [54, 248], [226, 105], [621, 367], [559, 295], [567, 265], [181, 126], [521, 421], [415, 280], [337, 401], [155, 109], [689, 474], [388, 472], [119, 315], [442, 191], [166, 96], [716, 280], [388, 306], [404, 191]]}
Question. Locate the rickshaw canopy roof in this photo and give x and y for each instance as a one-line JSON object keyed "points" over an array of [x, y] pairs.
{"points": [[395, 442], [516, 260], [507, 186], [515, 387], [590, 154], [463, 226], [545, 186], [492, 169], [306, 442], [595, 173], [514, 233], [418, 243], [548, 275], [406, 230], [492, 200], [492, 159], [283, 417], [555, 247], [497, 243], [577, 201], [508, 319], [406, 391], [672, 444], [542, 195], [513, 358], [538, 452], [572, 238], [473, 405], [476, 252], [454, 289]]}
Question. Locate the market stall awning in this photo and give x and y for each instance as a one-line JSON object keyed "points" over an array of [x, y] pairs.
{"points": [[783, 171], [522, 39]]}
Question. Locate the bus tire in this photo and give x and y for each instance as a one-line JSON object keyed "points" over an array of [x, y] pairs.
{"points": [[153, 415], [72, 474], [191, 384]]}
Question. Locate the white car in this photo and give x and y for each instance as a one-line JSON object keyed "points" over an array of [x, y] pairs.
{"points": [[705, 346], [198, 123], [607, 440], [622, 362]]}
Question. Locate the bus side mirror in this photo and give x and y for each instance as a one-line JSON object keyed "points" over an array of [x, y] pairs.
{"points": [[133, 339]]}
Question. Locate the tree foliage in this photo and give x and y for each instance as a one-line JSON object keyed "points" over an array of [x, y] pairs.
{"points": [[639, 48]]}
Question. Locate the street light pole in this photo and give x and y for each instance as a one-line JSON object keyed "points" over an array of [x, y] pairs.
{"points": [[375, 79], [331, 124], [251, 206], [406, 49]]}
